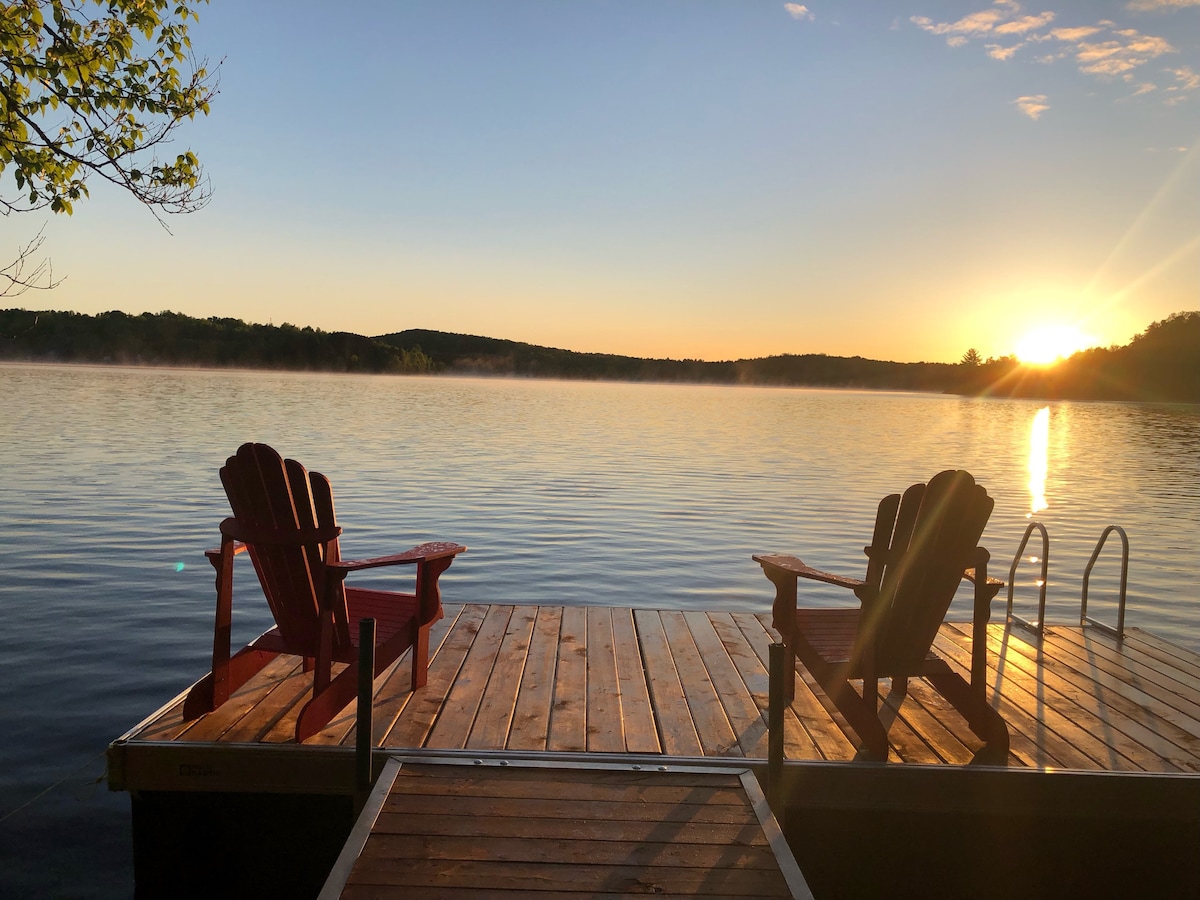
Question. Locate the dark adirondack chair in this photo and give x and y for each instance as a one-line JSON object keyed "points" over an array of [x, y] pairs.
{"points": [[283, 517], [925, 543]]}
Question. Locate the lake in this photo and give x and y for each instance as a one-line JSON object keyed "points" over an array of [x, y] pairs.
{"points": [[566, 493]]}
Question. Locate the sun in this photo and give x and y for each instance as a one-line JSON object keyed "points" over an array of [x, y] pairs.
{"points": [[1047, 344]]}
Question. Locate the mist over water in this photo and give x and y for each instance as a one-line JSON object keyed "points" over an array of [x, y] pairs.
{"points": [[566, 493]]}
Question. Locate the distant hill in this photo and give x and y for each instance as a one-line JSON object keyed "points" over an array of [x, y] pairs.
{"points": [[473, 355], [1161, 364]]}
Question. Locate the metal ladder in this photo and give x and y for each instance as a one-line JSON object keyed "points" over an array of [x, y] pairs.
{"points": [[1084, 618], [1038, 626]]}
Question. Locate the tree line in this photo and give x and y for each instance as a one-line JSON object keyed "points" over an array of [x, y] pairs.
{"points": [[473, 355], [1160, 364], [172, 339]]}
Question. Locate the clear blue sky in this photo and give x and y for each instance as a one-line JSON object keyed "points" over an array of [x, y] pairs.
{"points": [[898, 179]]}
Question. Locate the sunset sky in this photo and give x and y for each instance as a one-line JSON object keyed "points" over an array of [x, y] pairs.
{"points": [[714, 179]]}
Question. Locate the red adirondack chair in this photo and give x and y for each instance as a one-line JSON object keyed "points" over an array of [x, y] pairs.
{"points": [[283, 517], [925, 542]]}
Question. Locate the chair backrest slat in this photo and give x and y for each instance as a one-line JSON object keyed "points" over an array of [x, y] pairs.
{"points": [[881, 541], [937, 528], [322, 504]]}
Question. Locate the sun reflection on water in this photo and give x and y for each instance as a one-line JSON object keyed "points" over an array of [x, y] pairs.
{"points": [[1039, 447]]}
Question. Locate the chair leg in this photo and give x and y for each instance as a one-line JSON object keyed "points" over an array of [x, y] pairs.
{"points": [[861, 711], [863, 717], [985, 721], [420, 657], [206, 695], [320, 710], [337, 692], [870, 693]]}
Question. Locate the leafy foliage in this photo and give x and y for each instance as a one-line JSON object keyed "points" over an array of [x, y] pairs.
{"points": [[95, 87]]}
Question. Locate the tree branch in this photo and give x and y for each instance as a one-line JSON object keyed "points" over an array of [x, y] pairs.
{"points": [[15, 280]]}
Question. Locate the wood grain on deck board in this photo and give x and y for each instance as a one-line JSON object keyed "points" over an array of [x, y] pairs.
{"points": [[604, 726], [568, 714], [676, 727], [567, 831], [531, 719], [1124, 724], [641, 734]]}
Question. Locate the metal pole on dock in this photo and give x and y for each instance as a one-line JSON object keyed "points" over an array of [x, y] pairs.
{"points": [[366, 692], [775, 705]]}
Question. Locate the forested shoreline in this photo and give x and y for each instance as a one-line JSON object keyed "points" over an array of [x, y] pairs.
{"points": [[1160, 364], [173, 339]]}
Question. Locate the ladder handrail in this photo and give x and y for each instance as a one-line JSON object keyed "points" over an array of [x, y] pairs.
{"points": [[1040, 625], [1084, 618]]}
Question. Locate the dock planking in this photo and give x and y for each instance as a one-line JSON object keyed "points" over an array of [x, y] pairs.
{"points": [[1104, 750], [694, 684], [444, 827]]}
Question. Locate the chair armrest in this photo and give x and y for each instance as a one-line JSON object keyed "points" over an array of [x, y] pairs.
{"points": [[215, 554], [969, 574], [795, 566], [991, 586], [418, 554]]}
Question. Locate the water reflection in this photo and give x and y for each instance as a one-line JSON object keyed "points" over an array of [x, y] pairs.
{"points": [[1039, 454]]}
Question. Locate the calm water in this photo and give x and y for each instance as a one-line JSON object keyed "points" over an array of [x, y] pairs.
{"points": [[566, 493]]}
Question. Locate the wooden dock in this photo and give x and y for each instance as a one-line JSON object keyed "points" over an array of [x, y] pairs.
{"points": [[1104, 753], [694, 684]]}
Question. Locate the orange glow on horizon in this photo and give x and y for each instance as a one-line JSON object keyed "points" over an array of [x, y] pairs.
{"points": [[1048, 344]]}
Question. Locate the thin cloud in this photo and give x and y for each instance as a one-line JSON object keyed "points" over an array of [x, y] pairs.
{"points": [[973, 25], [1071, 35], [1188, 80], [1155, 5], [995, 51], [1125, 49], [1103, 50], [799, 12], [1025, 24], [1117, 57], [997, 21], [1032, 106]]}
